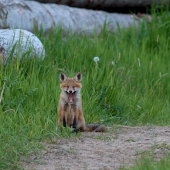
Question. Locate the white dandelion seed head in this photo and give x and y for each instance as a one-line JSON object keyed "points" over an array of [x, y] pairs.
{"points": [[96, 59], [113, 63]]}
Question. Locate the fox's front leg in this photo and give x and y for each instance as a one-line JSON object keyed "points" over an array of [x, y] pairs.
{"points": [[61, 117]]}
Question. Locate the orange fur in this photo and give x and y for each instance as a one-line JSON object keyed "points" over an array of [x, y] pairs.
{"points": [[70, 111]]}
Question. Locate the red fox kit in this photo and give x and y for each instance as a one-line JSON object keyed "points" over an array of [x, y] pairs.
{"points": [[70, 111]]}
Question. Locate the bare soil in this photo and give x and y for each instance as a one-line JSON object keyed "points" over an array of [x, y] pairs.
{"points": [[119, 147]]}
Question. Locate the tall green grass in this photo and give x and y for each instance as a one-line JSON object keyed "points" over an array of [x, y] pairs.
{"points": [[149, 163], [134, 90]]}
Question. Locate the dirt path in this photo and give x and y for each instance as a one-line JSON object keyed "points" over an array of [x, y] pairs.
{"points": [[119, 147]]}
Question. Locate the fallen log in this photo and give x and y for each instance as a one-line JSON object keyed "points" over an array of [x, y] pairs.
{"points": [[104, 4], [30, 14]]}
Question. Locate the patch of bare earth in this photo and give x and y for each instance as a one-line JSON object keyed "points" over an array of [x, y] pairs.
{"points": [[119, 147]]}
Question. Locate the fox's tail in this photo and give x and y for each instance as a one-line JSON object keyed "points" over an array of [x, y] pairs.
{"points": [[94, 128]]}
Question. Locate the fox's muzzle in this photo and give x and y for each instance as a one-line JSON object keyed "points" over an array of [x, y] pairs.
{"points": [[70, 91]]}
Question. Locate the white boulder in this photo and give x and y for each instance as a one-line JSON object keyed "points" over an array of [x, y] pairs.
{"points": [[20, 42]]}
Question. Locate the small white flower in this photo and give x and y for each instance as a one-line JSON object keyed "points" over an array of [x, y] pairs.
{"points": [[96, 59], [113, 63]]}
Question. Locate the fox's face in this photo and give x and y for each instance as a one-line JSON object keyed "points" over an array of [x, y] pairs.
{"points": [[70, 86]]}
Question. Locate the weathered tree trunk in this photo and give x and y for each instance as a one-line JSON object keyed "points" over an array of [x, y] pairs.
{"points": [[27, 14], [28, 44], [103, 4]]}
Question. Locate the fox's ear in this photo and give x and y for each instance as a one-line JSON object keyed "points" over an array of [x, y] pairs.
{"points": [[63, 77], [78, 77]]}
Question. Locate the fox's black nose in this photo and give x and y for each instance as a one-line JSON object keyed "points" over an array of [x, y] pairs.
{"points": [[70, 91]]}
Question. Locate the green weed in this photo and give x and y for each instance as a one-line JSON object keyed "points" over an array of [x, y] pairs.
{"points": [[148, 163]]}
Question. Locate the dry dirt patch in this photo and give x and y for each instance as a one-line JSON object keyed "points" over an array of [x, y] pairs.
{"points": [[119, 147]]}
